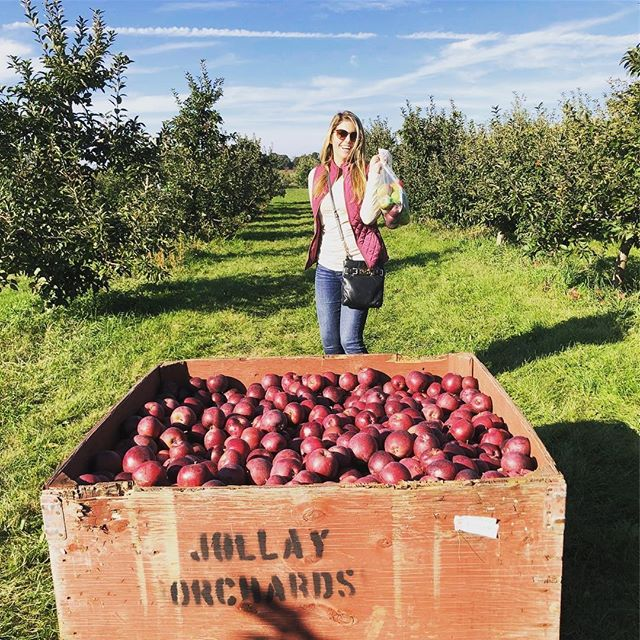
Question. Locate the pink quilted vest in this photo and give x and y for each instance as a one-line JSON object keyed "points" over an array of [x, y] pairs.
{"points": [[367, 236]]}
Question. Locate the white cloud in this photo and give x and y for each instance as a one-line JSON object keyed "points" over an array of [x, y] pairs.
{"points": [[15, 26], [544, 48], [449, 35], [330, 82], [477, 70], [353, 61], [175, 46], [224, 60], [10, 48], [164, 104], [207, 32]]}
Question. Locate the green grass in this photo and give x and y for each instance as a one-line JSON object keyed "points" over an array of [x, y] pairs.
{"points": [[570, 358]]}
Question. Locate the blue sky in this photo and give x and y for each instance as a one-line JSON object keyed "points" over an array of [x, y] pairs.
{"points": [[288, 65]]}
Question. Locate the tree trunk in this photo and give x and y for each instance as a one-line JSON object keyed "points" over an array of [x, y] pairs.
{"points": [[621, 261]]}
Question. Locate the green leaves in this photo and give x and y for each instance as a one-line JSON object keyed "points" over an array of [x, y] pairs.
{"points": [[546, 182]]}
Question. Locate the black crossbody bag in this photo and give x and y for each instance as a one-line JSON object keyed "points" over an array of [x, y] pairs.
{"points": [[362, 288]]}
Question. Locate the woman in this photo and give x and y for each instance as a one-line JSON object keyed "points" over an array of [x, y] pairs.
{"points": [[342, 165]]}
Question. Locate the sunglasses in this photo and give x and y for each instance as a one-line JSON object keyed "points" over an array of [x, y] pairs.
{"points": [[342, 134]]}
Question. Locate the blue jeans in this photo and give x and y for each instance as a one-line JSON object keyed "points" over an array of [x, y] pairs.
{"points": [[341, 328]]}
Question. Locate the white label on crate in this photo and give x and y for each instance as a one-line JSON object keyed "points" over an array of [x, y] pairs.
{"points": [[478, 525]]}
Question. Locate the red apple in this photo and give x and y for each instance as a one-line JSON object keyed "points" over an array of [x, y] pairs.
{"points": [[239, 445], [256, 391], [401, 421], [394, 472], [433, 412], [343, 456], [155, 409], [217, 383], [451, 383], [414, 466], [232, 474], [259, 470], [348, 381], [270, 380], [306, 477], [323, 462], [180, 449], [296, 413], [495, 436], [416, 381], [367, 377], [434, 390], [273, 442], [517, 444], [363, 446], [286, 467], [171, 435], [136, 456], [447, 401], [517, 462], [399, 444], [310, 444], [469, 382], [481, 402], [425, 442], [364, 419], [378, 460], [184, 416], [193, 475], [467, 474], [318, 413], [461, 429], [273, 420], [441, 469], [150, 474]]}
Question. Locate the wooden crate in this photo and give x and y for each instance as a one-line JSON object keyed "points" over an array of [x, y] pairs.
{"points": [[320, 562]]}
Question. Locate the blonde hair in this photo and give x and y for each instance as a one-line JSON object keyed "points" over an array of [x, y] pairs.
{"points": [[355, 160]]}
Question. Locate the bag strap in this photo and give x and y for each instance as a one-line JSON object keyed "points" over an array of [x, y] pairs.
{"points": [[335, 211]]}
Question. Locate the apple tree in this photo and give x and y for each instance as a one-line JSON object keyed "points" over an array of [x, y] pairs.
{"points": [[379, 135], [301, 167], [58, 227], [213, 181], [623, 145], [436, 162]]}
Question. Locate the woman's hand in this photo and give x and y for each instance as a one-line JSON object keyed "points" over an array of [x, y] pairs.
{"points": [[375, 164], [379, 160]]}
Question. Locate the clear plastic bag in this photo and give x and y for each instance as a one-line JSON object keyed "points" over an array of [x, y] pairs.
{"points": [[391, 195]]}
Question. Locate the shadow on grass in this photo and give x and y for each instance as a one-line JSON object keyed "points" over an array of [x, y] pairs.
{"points": [[416, 260], [259, 295], [291, 223], [600, 463], [510, 353], [259, 235], [210, 256], [287, 623]]}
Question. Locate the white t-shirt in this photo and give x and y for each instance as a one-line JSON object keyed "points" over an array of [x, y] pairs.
{"points": [[332, 253]]}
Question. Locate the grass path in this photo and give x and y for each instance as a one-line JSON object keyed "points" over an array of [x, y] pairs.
{"points": [[570, 359]]}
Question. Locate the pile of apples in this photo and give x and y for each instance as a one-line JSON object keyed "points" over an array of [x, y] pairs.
{"points": [[356, 428]]}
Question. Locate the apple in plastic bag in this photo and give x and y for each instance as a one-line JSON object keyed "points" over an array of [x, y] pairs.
{"points": [[392, 216]]}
